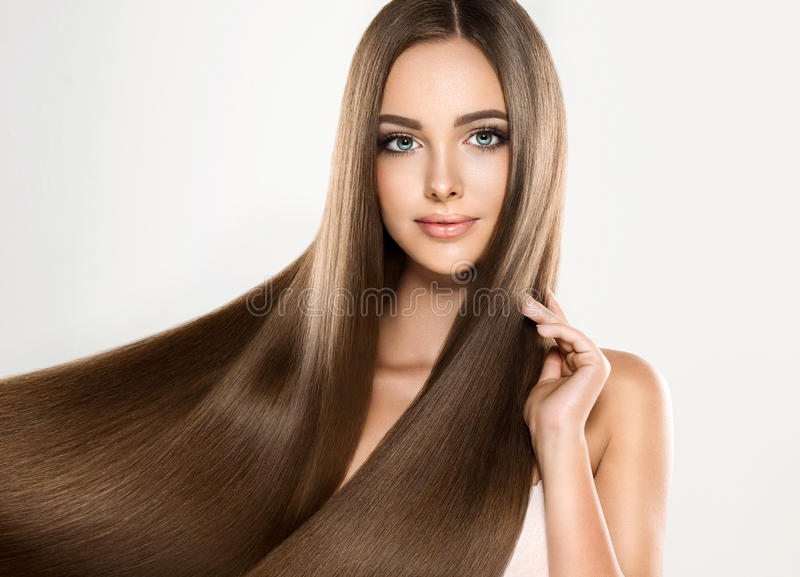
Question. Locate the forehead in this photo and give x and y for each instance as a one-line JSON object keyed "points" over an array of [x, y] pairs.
{"points": [[440, 81]]}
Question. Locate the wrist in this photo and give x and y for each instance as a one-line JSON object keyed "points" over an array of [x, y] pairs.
{"points": [[558, 441]]}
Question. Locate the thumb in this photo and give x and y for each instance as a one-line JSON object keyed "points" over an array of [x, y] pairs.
{"points": [[551, 368]]}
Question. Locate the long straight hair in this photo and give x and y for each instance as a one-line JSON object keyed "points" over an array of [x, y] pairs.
{"points": [[215, 448]]}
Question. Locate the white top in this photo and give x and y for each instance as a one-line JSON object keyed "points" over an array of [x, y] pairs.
{"points": [[529, 558]]}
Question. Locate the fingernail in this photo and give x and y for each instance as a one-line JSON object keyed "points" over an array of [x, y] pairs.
{"points": [[552, 294]]}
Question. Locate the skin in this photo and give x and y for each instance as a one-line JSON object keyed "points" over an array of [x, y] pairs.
{"points": [[600, 420], [446, 171], [612, 521]]}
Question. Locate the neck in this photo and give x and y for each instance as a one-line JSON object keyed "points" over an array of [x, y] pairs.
{"points": [[426, 307]]}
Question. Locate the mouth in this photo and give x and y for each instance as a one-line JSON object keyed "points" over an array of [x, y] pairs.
{"points": [[445, 226], [441, 218]]}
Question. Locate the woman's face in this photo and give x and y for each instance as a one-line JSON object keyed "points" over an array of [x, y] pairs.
{"points": [[431, 160]]}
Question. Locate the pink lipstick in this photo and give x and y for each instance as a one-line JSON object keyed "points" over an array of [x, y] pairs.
{"points": [[441, 225]]}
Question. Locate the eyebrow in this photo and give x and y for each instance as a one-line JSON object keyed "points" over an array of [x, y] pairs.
{"points": [[460, 120]]}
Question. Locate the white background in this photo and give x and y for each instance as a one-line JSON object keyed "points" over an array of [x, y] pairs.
{"points": [[158, 159]]}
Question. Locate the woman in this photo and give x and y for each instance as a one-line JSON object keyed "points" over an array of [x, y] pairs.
{"points": [[303, 430]]}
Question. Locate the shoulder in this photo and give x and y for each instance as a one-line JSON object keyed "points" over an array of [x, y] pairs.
{"points": [[632, 375], [636, 394], [634, 473]]}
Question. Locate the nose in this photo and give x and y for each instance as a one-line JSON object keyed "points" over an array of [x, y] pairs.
{"points": [[444, 182]]}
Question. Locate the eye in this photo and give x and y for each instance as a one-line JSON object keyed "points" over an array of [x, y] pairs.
{"points": [[404, 143], [484, 134]]}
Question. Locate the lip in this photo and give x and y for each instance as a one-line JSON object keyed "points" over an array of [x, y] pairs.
{"points": [[451, 228], [439, 217]]}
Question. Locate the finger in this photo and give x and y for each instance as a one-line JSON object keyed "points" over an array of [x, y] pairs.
{"points": [[551, 367], [536, 311], [539, 313], [574, 361], [572, 338], [555, 306], [562, 344], [588, 359]]}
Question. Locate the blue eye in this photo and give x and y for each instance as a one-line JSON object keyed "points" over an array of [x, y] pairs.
{"points": [[403, 141], [486, 136], [406, 141]]}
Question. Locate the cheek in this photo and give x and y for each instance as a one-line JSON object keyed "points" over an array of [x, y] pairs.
{"points": [[490, 177], [395, 190]]}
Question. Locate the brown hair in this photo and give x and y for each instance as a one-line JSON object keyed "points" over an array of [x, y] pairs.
{"points": [[216, 447]]}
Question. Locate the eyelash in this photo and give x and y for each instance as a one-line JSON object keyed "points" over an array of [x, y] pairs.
{"points": [[501, 137]]}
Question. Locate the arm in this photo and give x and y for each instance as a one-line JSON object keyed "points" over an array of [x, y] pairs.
{"points": [[613, 524]]}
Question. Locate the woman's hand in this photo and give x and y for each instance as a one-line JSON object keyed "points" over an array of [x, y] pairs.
{"points": [[573, 374]]}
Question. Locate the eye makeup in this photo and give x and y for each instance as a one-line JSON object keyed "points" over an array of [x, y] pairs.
{"points": [[500, 137]]}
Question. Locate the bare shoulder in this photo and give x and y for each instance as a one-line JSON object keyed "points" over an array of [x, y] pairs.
{"points": [[634, 391], [634, 473], [634, 398], [629, 370]]}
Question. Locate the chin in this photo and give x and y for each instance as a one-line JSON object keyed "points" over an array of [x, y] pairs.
{"points": [[453, 268], [441, 259]]}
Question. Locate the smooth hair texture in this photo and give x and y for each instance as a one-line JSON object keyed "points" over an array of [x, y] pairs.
{"points": [[215, 448]]}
